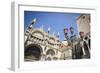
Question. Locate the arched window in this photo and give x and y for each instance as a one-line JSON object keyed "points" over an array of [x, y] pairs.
{"points": [[50, 52]]}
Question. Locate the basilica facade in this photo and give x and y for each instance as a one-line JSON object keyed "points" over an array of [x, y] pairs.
{"points": [[40, 45]]}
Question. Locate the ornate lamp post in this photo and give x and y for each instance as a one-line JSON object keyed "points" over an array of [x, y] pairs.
{"points": [[72, 34], [66, 34], [66, 39], [72, 38]]}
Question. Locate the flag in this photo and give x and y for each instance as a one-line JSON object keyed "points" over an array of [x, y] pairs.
{"points": [[65, 30]]}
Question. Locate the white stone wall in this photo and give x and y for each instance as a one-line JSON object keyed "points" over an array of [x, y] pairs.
{"points": [[83, 23]]}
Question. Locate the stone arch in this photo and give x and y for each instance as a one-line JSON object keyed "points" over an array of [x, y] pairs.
{"points": [[52, 38], [38, 32], [33, 52], [50, 52]]}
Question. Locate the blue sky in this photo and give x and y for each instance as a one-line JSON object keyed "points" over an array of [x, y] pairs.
{"points": [[57, 21]]}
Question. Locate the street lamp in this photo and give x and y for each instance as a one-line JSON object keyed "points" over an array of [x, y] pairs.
{"points": [[66, 38], [72, 34], [72, 39], [66, 33]]}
